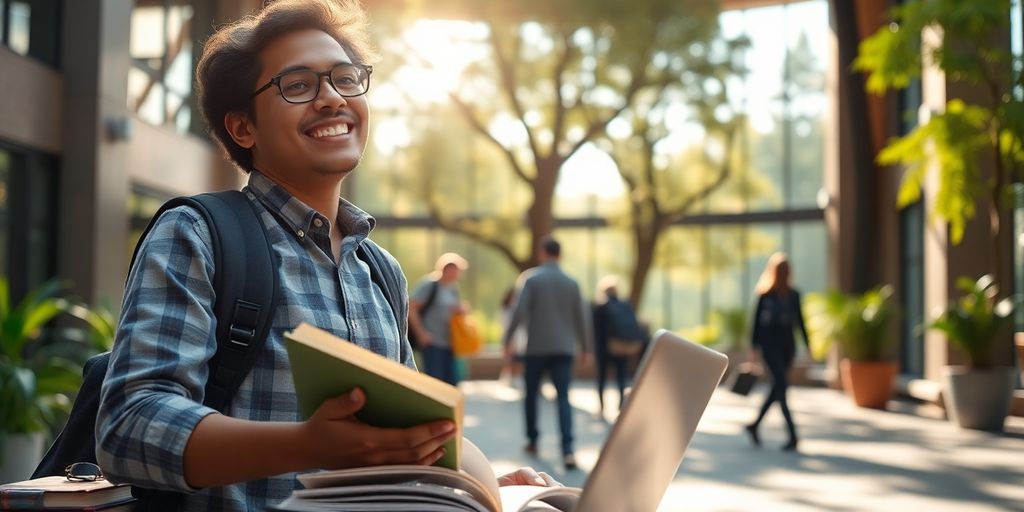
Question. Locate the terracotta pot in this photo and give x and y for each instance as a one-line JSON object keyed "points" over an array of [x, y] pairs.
{"points": [[868, 382]]}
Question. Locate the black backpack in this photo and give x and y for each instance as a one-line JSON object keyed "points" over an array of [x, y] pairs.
{"points": [[245, 284]]}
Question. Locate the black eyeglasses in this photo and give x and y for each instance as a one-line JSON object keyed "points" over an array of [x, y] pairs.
{"points": [[83, 472], [303, 85]]}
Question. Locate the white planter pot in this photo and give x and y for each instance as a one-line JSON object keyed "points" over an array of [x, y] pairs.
{"points": [[20, 455], [978, 399]]}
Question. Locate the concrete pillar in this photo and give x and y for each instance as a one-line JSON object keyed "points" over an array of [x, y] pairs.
{"points": [[94, 183]]}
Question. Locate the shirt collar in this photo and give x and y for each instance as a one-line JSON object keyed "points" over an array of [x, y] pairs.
{"points": [[300, 218]]}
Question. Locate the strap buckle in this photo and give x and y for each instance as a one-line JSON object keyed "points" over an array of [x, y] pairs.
{"points": [[242, 330]]}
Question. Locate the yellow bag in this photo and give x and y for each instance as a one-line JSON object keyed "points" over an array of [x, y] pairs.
{"points": [[465, 338]]}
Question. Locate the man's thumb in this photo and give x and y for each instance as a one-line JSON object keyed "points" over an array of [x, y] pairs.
{"points": [[343, 406]]}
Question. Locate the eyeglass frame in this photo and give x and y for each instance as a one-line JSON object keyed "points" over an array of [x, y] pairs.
{"points": [[276, 80], [71, 476]]}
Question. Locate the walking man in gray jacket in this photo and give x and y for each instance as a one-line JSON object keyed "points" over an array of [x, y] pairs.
{"points": [[551, 307]]}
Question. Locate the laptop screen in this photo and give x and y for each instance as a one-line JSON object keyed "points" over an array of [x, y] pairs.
{"points": [[674, 382]]}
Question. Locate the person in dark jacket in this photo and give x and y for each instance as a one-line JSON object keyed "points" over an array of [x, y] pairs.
{"points": [[607, 305], [777, 315]]}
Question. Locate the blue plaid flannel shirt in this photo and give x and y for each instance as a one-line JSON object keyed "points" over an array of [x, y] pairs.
{"points": [[152, 398]]}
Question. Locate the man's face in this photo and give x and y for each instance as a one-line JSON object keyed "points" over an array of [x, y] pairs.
{"points": [[324, 137]]}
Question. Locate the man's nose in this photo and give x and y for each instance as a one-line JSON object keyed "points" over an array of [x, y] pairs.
{"points": [[328, 96]]}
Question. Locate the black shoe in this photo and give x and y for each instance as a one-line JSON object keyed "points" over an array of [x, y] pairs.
{"points": [[570, 462], [530, 449], [752, 432], [790, 446]]}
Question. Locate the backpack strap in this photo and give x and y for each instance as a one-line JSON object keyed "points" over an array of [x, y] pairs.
{"points": [[434, 285], [382, 273], [244, 283]]}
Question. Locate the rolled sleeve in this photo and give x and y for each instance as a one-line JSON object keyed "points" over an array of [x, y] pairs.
{"points": [[152, 397]]}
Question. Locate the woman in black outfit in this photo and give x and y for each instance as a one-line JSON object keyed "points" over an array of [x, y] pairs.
{"points": [[778, 314]]}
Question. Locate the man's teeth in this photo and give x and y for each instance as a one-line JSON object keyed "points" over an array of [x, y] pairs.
{"points": [[331, 131]]}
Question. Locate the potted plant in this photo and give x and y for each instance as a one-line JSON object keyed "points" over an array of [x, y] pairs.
{"points": [[860, 324], [36, 379], [978, 394]]}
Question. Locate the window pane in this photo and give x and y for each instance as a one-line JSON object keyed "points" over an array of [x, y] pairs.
{"points": [[765, 143], [767, 52], [179, 45], [19, 27], [147, 40], [3, 19], [809, 256], [162, 51]]}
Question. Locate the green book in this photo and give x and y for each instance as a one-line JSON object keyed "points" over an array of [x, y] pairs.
{"points": [[325, 366]]}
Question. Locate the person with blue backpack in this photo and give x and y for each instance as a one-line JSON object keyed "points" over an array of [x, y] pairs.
{"points": [[618, 338], [283, 92]]}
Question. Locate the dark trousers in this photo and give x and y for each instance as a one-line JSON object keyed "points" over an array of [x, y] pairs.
{"points": [[439, 363], [621, 375], [778, 364], [559, 369]]}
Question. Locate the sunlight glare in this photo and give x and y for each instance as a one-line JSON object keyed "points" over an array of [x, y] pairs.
{"points": [[590, 172], [439, 52]]}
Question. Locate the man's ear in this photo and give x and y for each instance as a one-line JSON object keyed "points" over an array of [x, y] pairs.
{"points": [[240, 128]]}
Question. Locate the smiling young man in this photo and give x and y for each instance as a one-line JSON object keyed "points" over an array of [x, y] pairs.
{"points": [[284, 93]]}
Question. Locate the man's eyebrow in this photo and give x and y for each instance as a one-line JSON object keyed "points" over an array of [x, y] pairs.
{"points": [[303, 67]]}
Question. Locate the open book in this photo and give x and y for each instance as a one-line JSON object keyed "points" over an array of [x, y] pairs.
{"points": [[474, 488], [325, 366]]}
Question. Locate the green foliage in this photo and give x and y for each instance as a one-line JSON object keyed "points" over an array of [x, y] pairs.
{"points": [[726, 330], [975, 321], [37, 377], [954, 142], [959, 39], [706, 334], [859, 323], [732, 326]]}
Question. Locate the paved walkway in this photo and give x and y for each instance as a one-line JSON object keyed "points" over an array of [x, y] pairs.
{"points": [[907, 458]]}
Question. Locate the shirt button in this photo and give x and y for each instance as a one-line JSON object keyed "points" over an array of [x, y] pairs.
{"points": [[318, 223], [355, 325], [301, 233]]}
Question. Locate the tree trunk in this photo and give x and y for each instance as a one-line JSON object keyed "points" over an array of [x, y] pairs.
{"points": [[645, 242], [540, 215]]}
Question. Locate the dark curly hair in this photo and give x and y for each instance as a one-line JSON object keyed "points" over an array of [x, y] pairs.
{"points": [[230, 64]]}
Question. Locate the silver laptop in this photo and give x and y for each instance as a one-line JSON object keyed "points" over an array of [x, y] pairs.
{"points": [[672, 387]]}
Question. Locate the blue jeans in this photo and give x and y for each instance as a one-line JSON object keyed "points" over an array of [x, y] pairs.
{"points": [[559, 368], [439, 363]]}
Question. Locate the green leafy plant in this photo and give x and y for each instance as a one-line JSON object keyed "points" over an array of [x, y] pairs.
{"points": [[859, 323], [960, 39], [36, 378], [974, 321], [732, 327]]}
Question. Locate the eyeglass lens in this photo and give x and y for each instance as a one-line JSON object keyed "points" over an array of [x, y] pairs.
{"points": [[83, 472], [303, 85]]}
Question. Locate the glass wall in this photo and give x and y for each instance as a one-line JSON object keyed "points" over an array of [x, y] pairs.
{"points": [[705, 265]]}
